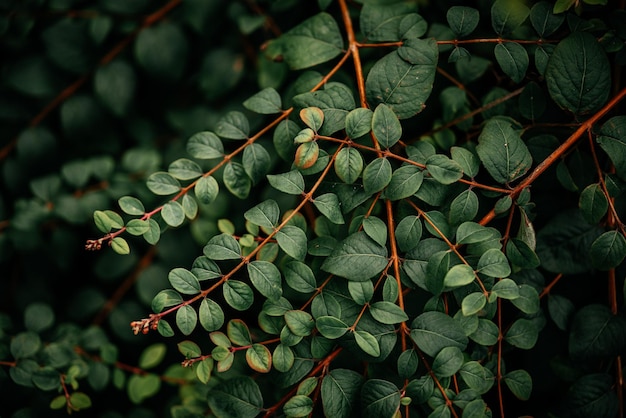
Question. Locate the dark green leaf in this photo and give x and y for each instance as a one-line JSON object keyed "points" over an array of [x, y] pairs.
{"points": [[379, 398], [377, 175], [186, 319], [299, 277], [236, 180], [464, 207], [408, 361], [376, 229], [532, 101], [433, 331], [388, 313], [293, 241], [298, 406], [593, 203], [608, 250], [502, 151], [596, 334], [25, 344], [522, 334], [331, 327], [443, 169], [234, 125], [348, 165], [340, 391], [462, 20], [476, 376], [238, 295], [408, 233], [405, 182], [205, 145], [162, 50], [593, 395], [163, 184], [381, 23], [578, 74], [358, 122], [520, 254], [487, 333], [237, 397], [184, 281], [473, 303], [494, 263], [266, 214], [356, 258], [291, 182], [561, 310], [506, 289], [336, 100], [206, 189], [403, 79], [520, 383], [447, 362], [472, 233], [265, 102], [386, 126], [507, 15], [612, 139], [458, 276], [328, 204], [256, 161], [283, 358], [211, 315], [544, 21], [513, 59], [265, 277], [300, 323]]}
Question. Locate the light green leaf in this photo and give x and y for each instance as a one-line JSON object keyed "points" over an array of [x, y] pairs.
{"points": [[298, 406], [386, 126], [131, 205], [459, 275], [336, 100], [265, 102], [206, 189], [234, 125], [238, 295], [331, 327], [506, 289], [313, 117], [141, 387], [238, 333], [165, 299], [266, 214], [403, 79], [283, 358], [256, 161], [367, 342], [190, 206], [502, 151], [356, 258], [291, 182], [222, 247], [184, 169], [239, 396], [163, 184], [443, 169], [236, 180], [211, 315], [328, 204], [377, 175], [300, 323], [578, 74], [152, 236], [493, 263], [173, 213], [152, 356], [265, 277], [186, 319], [348, 164], [307, 155], [205, 146], [361, 292], [184, 281], [106, 220], [388, 313], [473, 303], [259, 358], [120, 246]]}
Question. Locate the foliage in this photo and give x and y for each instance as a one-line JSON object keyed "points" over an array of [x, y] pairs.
{"points": [[333, 208]]}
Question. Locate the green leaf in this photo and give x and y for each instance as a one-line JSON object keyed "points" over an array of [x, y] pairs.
{"points": [[493, 263], [507, 15], [222, 247], [593, 395], [152, 356], [522, 334], [299, 277], [25, 344], [328, 204], [259, 358], [283, 358], [265, 102], [204, 369], [403, 79], [608, 250], [612, 139], [367, 342], [544, 21], [238, 295], [114, 85], [386, 126], [265, 277], [184, 281], [472, 233], [459, 275], [154, 233], [141, 387], [331, 327], [234, 125], [462, 20], [120, 246], [506, 289], [447, 362], [163, 184], [293, 241], [388, 313], [340, 391], [162, 50], [502, 151], [596, 334], [131, 205], [405, 182], [211, 315], [236, 180], [291, 182], [38, 317], [513, 59], [256, 161], [379, 398], [107, 220], [298, 406], [486, 334], [137, 227], [376, 229], [561, 310], [307, 155], [206, 190], [336, 100], [381, 23], [348, 164], [173, 213], [520, 254], [166, 298], [184, 169], [359, 122], [238, 333], [186, 319], [433, 331], [313, 117], [520, 383], [377, 175], [237, 397], [408, 362], [408, 233], [464, 207], [443, 169], [300, 323], [190, 207], [205, 146], [593, 203], [266, 214], [361, 292], [578, 74], [356, 258], [473, 303], [312, 42]]}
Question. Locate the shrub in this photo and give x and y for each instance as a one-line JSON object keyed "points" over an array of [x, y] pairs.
{"points": [[333, 208]]}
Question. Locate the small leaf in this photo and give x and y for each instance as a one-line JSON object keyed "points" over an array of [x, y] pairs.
{"points": [[462, 20], [379, 398], [506, 16], [184, 281], [234, 125], [304, 136], [377, 175], [328, 204], [443, 169], [331, 327], [131, 205], [466, 159], [593, 203], [313, 117], [256, 161], [388, 313], [359, 122], [432, 331], [120, 246], [239, 396], [238, 295], [386, 126], [405, 182], [222, 247], [283, 358], [520, 254], [464, 207], [190, 206], [299, 277], [472, 233], [293, 241], [376, 229], [506, 289], [447, 362], [367, 343], [162, 184], [520, 383], [291, 182], [348, 165], [340, 393], [493, 263], [205, 146], [236, 180], [306, 155], [186, 319], [544, 21], [473, 303], [513, 59], [259, 358], [137, 226], [265, 277], [596, 333], [206, 190], [211, 315], [152, 356], [459, 275], [173, 213], [184, 169], [522, 334], [265, 214], [298, 406], [608, 250], [356, 258], [265, 102]]}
